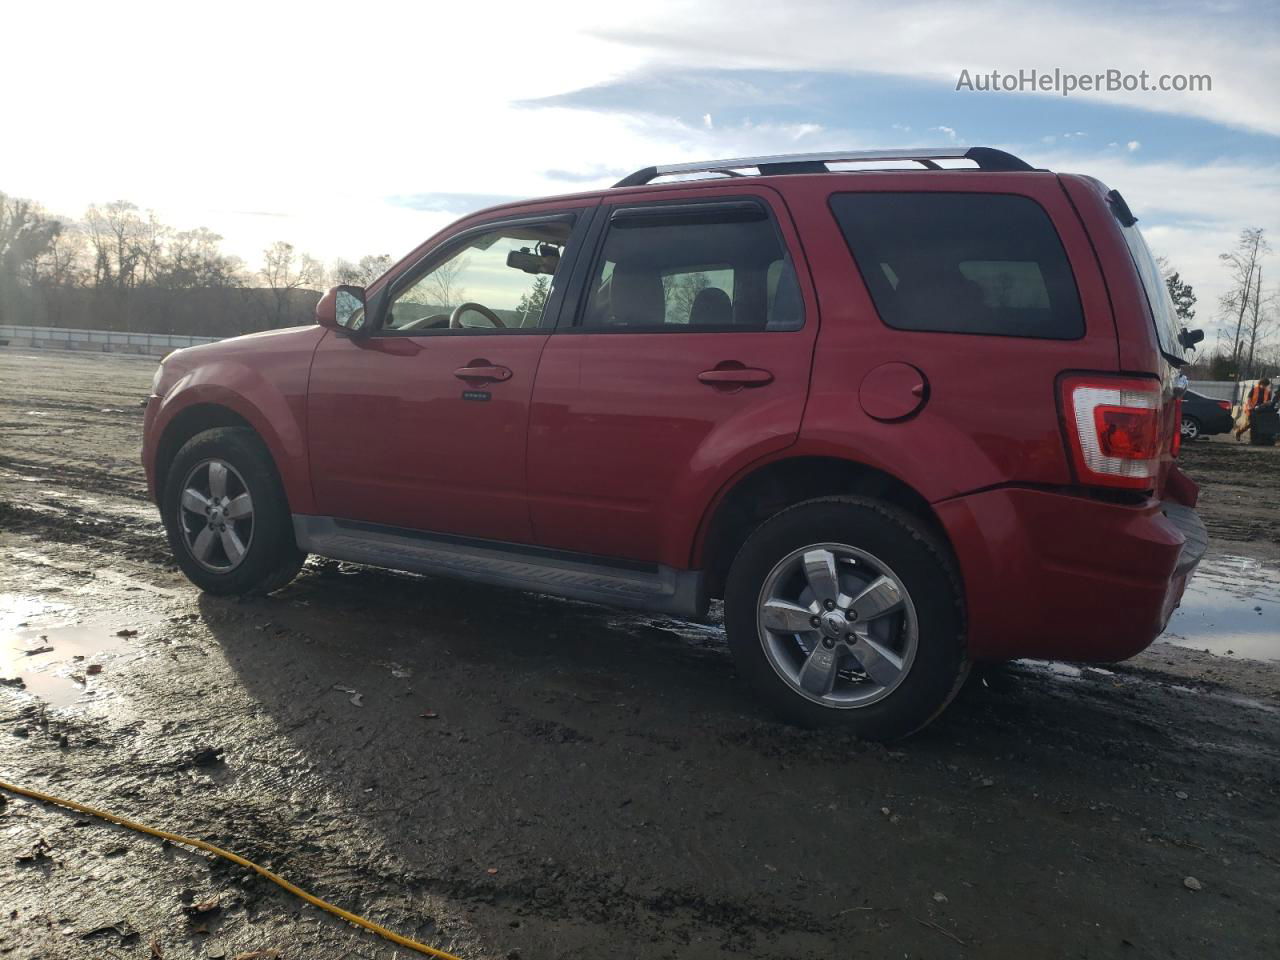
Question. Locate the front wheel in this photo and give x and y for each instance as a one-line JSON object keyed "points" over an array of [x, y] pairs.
{"points": [[227, 516], [845, 611]]}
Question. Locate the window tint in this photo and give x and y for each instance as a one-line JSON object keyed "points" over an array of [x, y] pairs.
{"points": [[507, 272], [962, 263], [696, 274]]}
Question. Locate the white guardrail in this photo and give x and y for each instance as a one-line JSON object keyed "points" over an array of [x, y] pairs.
{"points": [[102, 341]]}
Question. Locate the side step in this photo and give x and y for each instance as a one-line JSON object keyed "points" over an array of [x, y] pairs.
{"points": [[641, 586]]}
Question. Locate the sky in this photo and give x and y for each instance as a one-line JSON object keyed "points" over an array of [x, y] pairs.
{"points": [[354, 129]]}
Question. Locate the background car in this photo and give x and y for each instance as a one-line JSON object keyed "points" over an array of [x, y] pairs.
{"points": [[1203, 416]]}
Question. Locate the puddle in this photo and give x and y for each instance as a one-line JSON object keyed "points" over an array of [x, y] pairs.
{"points": [[1232, 606], [57, 659]]}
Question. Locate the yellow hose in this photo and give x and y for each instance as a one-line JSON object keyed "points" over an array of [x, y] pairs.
{"points": [[234, 858]]}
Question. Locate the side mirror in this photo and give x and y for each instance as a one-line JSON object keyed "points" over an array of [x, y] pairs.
{"points": [[342, 308], [1189, 338]]}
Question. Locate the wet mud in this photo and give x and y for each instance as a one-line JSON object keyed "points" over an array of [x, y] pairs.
{"points": [[582, 782]]}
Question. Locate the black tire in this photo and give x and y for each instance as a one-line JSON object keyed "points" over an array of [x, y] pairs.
{"points": [[919, 561], [1191, 430], [272, 557]]}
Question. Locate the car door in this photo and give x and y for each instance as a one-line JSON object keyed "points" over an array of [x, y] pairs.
{"points": [[421, 423], [685, 357]]}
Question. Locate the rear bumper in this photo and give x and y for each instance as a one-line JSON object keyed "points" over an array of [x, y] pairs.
{"points": [[1218, 422], [1065, 577]]}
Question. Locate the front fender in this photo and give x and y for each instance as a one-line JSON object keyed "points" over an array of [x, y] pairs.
{"points": [[270, 397]]}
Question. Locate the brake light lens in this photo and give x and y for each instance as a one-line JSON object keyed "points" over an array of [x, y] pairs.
{"points": [[1114, 431], [1225, 405], [1127, 433]]}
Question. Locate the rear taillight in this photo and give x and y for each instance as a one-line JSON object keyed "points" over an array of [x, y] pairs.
{"points": [[1225, 405], [1114, 431]]}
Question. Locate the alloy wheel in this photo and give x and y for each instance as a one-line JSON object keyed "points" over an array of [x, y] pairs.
{"points": [[837, 625], [215, 514]]}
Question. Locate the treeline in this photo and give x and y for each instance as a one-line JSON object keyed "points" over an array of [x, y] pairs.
{"points": [[120, 268]]}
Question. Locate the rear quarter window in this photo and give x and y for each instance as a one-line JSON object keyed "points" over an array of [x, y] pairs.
{"points": [[976, 263], [1163, 313]]}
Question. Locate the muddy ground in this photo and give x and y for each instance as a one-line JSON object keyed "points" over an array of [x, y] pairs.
{"points": [[586, 783]]}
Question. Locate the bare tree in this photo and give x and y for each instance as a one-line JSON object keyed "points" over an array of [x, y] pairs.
{"points": [[284, 270], [361, 274], [119, 239], [1244, 262], [149, 248], [63, 263], [1260, 322], [192, 259], [440, 288]]}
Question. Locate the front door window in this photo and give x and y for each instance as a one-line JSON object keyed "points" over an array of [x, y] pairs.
{"points": [[497, 280]]}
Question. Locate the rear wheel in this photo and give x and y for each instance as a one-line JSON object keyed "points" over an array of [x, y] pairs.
{"points": [[844, 611], [1190, 429], [227, 516]]}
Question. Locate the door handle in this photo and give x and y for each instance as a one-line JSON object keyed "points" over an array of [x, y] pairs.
{"points": [[482, 370], [736, 376]]}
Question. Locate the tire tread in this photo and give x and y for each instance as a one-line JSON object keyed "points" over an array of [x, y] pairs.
{"points": [[912, 528]]}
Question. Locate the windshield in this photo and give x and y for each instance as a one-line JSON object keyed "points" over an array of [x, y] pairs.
{"points": [[1162, 310]]}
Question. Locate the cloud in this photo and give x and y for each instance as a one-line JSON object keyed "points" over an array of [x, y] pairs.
{"points": [[592, 176], [935, 40], [1132, 146], [451, 202]]}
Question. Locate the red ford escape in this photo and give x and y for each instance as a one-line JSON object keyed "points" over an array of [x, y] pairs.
{"points": [[899, 420]]}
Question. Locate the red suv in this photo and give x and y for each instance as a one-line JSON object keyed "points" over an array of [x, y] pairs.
{"points": [[899, 420]]}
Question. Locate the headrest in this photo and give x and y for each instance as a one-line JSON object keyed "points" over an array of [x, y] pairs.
{"points": [[635, 296], [711, 307]]}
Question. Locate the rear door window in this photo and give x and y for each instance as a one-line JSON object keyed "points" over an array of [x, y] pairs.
{"points": [[709, 267], [962, 263]]}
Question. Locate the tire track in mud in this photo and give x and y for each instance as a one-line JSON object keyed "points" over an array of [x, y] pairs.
{"points": [[95, 410], [73, 525], [78, 478]]}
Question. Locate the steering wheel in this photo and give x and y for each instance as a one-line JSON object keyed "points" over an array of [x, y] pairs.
{"points": [[455, 318]]}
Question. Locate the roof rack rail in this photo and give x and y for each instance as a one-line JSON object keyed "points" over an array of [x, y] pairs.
{"points": [[987, 158]]}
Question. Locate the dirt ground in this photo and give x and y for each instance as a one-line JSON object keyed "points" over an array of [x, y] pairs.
{"points": [[585, 783]]}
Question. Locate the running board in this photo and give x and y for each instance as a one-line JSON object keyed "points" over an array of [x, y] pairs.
{"points": [[578, 576]]}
